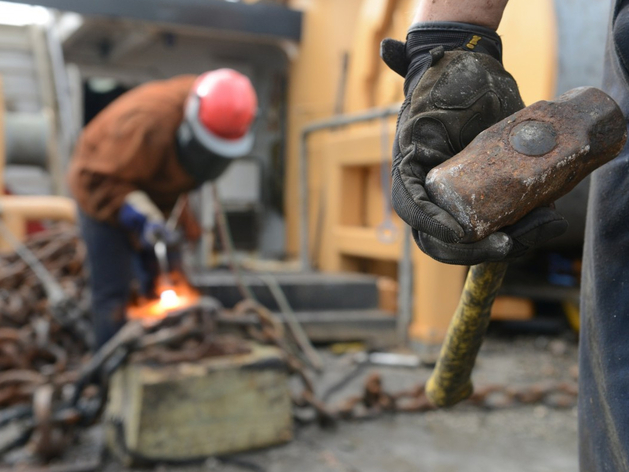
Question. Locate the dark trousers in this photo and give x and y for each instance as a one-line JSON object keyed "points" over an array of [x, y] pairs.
{"points": [[113, 265], [604, 345]]}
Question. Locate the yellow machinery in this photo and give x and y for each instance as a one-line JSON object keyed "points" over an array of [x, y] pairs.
{"points": [[347, 224]]}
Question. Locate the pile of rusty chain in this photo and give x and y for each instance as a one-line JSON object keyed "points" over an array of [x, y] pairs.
{"points": [[49, 382], [375, 400], [34, 348], [55, 409], [40, 358]]}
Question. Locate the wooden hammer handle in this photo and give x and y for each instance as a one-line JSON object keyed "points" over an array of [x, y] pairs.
{"points": [[450, 381]]}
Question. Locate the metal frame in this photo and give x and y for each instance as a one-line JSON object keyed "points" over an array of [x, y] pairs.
{"points": [[255, 19], [306, 131], [405, 267]]}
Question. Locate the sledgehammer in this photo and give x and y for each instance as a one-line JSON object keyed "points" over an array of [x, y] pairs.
{"points": [[526, 161]]}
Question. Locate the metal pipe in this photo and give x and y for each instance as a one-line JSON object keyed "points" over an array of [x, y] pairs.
{"points": [[335, 122], [35, 207], [207, 220], [27, 137], [405, 293]]}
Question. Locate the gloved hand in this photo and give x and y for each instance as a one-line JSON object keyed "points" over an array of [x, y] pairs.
{"points": [[139, 215], [455, 87]]}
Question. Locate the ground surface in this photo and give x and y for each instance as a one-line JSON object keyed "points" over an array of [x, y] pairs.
{"points": [[517, 439]]}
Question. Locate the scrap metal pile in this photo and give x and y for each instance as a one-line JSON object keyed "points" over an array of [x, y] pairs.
{"points": [[34, 348], [39, 358], [50, 384], [49, 381]]}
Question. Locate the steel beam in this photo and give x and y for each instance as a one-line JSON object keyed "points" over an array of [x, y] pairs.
{"points": [[255, 19]]}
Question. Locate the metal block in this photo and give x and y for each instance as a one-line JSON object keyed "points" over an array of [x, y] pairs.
{"points": [[528, 160], [185, 411]]}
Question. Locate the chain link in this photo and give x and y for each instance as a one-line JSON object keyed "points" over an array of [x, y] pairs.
{"points": [[49, 382]]}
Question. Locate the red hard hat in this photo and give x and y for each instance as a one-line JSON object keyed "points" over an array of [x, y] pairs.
{"points": [[227, 103]]}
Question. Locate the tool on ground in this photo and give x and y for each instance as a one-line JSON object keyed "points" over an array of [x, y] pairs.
{"points": [[293, 323], [524, 162], [388, 359]]}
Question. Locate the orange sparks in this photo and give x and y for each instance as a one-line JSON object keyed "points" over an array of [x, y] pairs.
{"points": [[173, 296]]}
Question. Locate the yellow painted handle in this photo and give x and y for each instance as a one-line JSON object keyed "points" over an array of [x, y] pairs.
{"points": [[450, 381]]}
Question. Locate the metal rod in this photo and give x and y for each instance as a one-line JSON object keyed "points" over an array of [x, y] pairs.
{"points": [[54, 292], [161, 253], [208, 222], [405, 293], [337, 121], [292, 321], [175, 214]]}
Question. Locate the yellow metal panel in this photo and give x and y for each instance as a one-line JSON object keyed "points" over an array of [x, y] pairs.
{"points": [[529, 35], [364, 242], [2, 144], [374, 19], [353, 191], [512, 308], [436, 291], [315, 73]]}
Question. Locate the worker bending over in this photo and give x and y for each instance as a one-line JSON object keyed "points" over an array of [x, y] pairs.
{"points": [[132, 163], [455, 87]]}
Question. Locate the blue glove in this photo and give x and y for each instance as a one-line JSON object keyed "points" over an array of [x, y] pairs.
{"points": [[157, 231], [140, 216]]}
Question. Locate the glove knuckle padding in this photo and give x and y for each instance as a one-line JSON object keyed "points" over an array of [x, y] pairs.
{"points": [[457, 98], [466, 77], [467, 92], [431, 137], [418, 212]]}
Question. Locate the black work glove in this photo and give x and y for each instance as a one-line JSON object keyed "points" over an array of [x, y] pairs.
{"points": [[455, 88]]}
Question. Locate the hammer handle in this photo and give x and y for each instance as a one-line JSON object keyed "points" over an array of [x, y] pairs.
{"points": [[450, 381]]}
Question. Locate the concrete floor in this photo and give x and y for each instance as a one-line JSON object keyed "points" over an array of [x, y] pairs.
{"points": [[516, 439], [519, 439]]}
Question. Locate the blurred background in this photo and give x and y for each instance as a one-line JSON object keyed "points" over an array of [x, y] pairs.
{"points": [[310, 204], [61, 62]]}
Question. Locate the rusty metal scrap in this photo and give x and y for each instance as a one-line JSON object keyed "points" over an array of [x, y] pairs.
{"points": [[375, 401], [51, 385], [39, 358], [34, 348]]}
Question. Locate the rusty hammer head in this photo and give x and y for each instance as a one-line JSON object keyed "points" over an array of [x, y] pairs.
{"points": [[528, 160]]}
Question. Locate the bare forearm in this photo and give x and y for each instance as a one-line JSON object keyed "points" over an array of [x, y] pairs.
{"points": [[486, 13]]}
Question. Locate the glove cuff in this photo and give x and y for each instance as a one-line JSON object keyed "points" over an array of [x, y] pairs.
{"points": [[426, 43], [142, 203], [422, 37]]}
